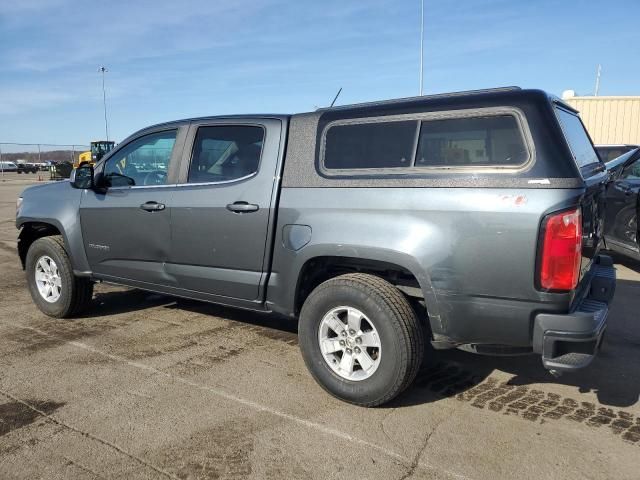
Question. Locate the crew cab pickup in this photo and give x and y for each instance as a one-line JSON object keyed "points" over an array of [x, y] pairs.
{"points": [[468, 220]]}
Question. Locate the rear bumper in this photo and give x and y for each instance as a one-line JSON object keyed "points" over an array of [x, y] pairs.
{"points": [[568, 342]]}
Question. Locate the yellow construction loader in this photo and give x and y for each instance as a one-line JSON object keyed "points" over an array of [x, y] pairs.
{"points": [[99, 149]]}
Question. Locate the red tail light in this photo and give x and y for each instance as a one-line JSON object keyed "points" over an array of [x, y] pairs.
{"points": [[561, 251]]}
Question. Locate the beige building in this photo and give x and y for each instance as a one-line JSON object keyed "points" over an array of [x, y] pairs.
{"points": [[609, 120]]}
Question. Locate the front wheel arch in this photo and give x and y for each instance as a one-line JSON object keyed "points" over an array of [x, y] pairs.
{"points": [[32, 231]]}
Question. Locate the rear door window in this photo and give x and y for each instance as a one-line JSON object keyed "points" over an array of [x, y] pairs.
{"points": [[632, 172], [225, 153], [583, 152]]}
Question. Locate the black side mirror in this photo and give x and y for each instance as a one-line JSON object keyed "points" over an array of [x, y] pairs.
{"points": [[82, 177]]}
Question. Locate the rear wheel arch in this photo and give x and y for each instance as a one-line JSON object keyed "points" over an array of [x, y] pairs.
{"points": [[319, 269]]}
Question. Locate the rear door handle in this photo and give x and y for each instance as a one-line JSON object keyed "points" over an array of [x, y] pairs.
{"points": [[242, 207], [152, 206]]}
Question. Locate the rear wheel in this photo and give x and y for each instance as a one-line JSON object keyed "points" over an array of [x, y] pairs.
{"points": [[53, 287], [360, 339]]}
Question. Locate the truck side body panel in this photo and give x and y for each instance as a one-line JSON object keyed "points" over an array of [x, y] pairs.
{"points": [[473, 251]]}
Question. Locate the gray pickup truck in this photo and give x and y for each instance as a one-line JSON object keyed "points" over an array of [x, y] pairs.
{"points": [[470, 220]]}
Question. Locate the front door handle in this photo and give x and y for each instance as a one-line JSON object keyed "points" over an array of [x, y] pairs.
{"points": [[152, 206], [242, 207]]}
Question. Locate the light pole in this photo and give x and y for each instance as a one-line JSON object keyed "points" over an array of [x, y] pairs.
{"points": [[421, 44], [104, 70], [597, 89]]}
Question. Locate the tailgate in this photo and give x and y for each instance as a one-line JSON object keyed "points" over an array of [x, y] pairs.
{"points": [[593, 172]]}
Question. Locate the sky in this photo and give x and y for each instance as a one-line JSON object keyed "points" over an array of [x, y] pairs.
{"points": [[175, 59]]}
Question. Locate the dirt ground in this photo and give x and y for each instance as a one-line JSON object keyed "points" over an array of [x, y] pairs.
{"points": [[147, 386]]}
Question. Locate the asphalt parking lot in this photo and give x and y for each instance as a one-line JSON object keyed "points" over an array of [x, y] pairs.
{"points": [[147, 386]]}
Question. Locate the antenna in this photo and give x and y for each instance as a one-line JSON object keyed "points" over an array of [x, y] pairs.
{"points": [[597, 89], [336, 97]]}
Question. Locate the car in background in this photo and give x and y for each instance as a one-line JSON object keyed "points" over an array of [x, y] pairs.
{"points": [[623, 204], [8, 167], [610, 152], [27, 168]]}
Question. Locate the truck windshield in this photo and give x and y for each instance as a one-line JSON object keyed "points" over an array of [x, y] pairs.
{"points": [[579, 142]]}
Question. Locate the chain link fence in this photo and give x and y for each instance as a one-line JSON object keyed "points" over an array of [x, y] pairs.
{"points": [[19, 157]]}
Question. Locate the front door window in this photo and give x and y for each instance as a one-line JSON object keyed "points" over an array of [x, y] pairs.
{"points": [[143, 162]]}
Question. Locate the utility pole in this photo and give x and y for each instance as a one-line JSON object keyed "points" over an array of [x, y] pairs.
{"points": [[104, 70], [421, 45], [597, 89]]}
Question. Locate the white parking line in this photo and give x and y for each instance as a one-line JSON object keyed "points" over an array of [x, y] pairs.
{"points": [[407, 462]]}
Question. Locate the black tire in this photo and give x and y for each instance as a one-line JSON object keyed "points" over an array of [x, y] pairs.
{"points": [[76, 293], [401, 337]]}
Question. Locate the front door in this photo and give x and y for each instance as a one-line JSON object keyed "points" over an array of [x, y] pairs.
{"points": [[621, 226], [126, 226], [221, 211]]}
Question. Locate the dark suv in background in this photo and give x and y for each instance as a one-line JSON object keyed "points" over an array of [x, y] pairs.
{"points": [[623, 204]]}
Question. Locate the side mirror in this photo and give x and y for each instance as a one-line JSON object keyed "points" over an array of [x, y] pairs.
{"points": [[82, 177]]}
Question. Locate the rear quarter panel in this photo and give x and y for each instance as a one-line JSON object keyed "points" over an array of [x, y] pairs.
{"points": [[472, 250]]}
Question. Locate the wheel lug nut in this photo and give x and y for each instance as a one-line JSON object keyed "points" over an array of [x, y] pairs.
{"points": [[342, 343], [343, 333], [352, 332], [349, 351], [357, 349], [358, 340]]}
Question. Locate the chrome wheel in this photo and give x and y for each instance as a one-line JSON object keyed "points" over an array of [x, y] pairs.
{"points": [[349, 343], [48, 279]]}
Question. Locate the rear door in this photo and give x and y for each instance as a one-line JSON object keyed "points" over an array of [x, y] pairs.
{"points": [[222, 207], [621, 223], [593, 171]]}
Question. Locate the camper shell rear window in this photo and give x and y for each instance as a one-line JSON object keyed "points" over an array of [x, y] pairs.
{"points": [[577, 137]]}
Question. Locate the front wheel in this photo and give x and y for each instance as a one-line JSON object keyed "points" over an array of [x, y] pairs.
{"points": [[53, 287], [360, 339]]}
